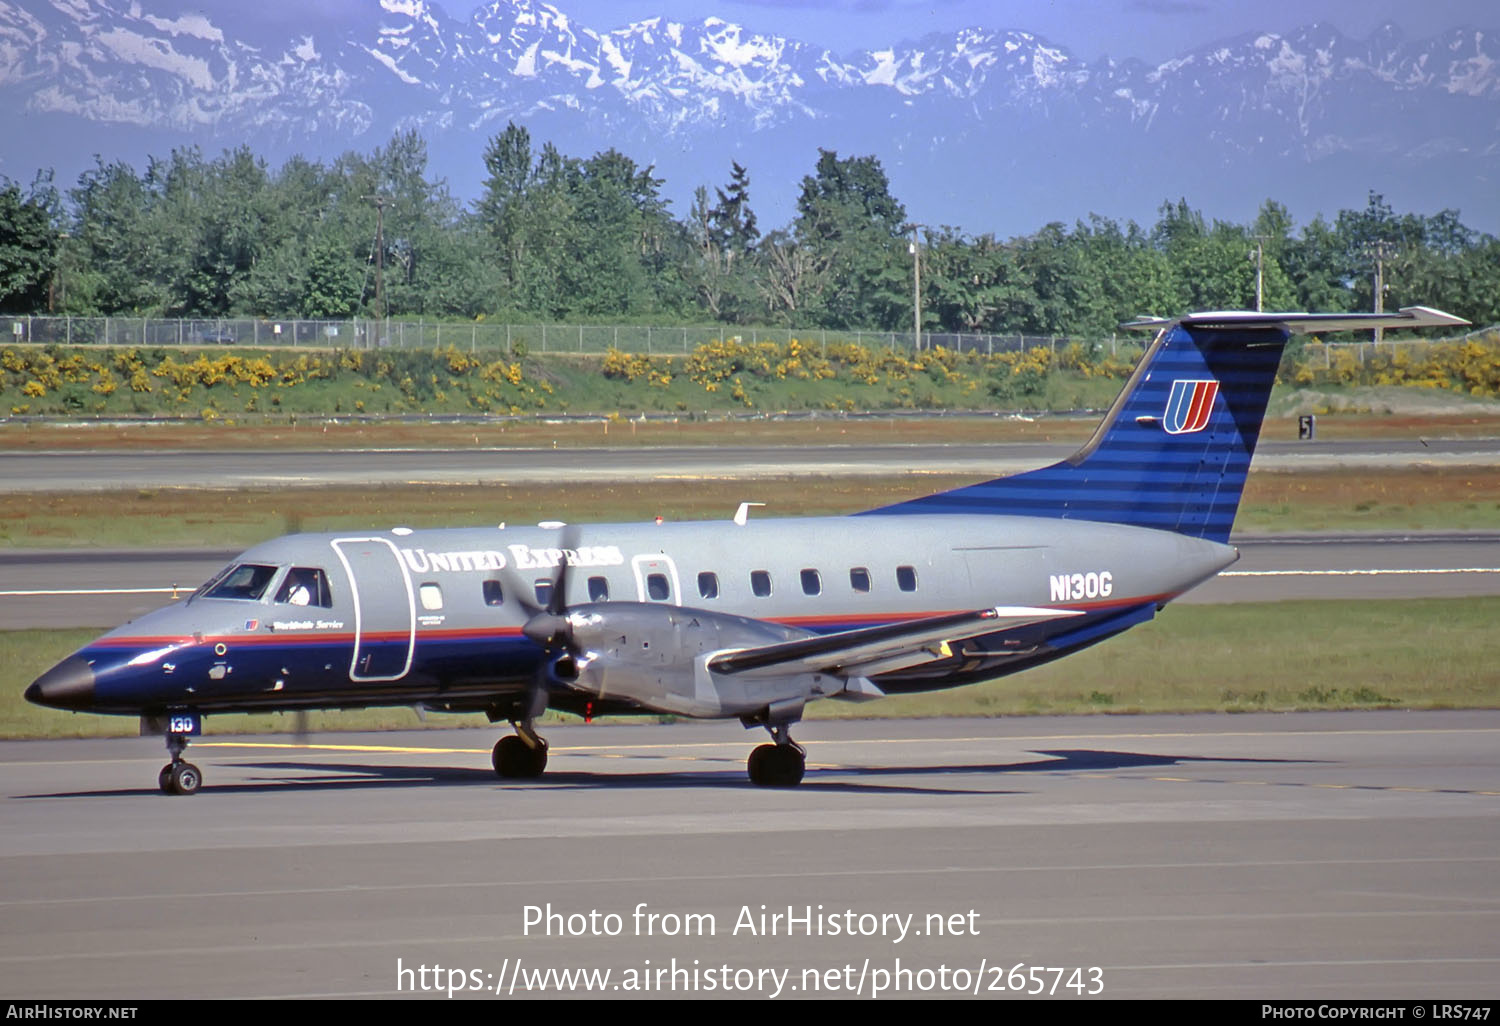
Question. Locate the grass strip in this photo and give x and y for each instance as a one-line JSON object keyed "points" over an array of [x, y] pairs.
{"points": [[1362, 499]]}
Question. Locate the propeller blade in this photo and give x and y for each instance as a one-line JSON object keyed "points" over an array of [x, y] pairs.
{"points": [[557, 602]]}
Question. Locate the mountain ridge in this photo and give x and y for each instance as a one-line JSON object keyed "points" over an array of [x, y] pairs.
{"points": [[1261, 114]]}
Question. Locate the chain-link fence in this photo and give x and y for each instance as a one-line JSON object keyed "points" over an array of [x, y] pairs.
{"points": [[508, 338], [1323, 354]]}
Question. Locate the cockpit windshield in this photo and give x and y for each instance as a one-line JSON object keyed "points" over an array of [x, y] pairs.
{"points": [[244, 581]]}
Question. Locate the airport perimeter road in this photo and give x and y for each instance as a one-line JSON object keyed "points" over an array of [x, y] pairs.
{"points": [[100, 470], [1306, 856], [104, 589]]}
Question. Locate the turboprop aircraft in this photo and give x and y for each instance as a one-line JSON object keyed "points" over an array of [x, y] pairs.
{"points": [[749, 618]]}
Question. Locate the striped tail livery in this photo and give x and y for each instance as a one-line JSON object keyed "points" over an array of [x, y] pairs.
{"points": [[1174, 449]]}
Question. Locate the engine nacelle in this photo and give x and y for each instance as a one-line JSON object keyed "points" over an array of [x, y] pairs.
{"points": [[658, 655]]}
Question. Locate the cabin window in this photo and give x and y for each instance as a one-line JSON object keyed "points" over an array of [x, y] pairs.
{"points": [[859, 578], [708, 584], [658, 588], [431, 595], [598, 589], [760, 583], [305, 586], [494, 595], [906, 578], [812, 584], [246, 581], [543, 588]]}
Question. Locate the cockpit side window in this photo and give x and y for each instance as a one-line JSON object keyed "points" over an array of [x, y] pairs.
{"points": [[305, 586], [245, 581]]}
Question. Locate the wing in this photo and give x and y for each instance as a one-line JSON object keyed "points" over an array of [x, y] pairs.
{"points": [[883, 649]]}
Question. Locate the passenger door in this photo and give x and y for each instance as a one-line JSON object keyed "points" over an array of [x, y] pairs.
{"points": [[385, 620]]}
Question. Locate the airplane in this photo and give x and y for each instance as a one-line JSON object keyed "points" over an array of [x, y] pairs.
{"points": [[747, 618]]}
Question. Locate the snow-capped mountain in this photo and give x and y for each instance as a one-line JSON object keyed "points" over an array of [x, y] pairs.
{"points": [[989, 130]]}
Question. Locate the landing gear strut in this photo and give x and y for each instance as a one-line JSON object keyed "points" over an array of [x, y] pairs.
{"points": [[178, 777], [780, 764], [522, 755]]}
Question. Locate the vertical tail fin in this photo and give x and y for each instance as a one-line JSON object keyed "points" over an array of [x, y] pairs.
{"points": [[1174, 450]]}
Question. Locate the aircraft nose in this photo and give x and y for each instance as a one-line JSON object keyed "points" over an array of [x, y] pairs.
{"points": [[68, 685]]}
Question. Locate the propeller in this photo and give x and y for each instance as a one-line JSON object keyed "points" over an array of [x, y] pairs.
{"points": [[548, 625]]}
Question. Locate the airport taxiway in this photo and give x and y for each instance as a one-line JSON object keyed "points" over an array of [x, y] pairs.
{"points": [[1325, 855], [69, 470]]}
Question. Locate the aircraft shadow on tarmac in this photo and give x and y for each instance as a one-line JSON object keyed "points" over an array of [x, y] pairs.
{"points": [[319, 776]]}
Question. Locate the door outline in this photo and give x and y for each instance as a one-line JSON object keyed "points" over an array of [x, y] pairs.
{"points": [[411, 607]]}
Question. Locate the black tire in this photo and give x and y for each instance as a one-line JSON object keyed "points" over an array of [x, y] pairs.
{"points": [[514, 759], [164, 779], [788, 766], [185, 778], [764, 766]]}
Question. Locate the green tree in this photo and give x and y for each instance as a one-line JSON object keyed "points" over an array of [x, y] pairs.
{"points": [[854, 230], [721, 266], [29, 238]]}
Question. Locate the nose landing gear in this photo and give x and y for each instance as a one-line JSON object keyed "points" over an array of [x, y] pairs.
{"points": [[179, 777]]}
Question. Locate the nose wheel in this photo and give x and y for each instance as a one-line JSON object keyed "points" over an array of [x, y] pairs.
{"points": [[179, 777]]}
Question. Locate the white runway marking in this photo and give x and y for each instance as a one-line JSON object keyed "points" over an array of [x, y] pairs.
{"points": [[92, 591]]}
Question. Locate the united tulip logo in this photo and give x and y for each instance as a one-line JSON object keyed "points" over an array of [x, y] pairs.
{"points": [[1189, 406]]}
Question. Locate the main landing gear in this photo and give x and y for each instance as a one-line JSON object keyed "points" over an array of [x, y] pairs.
{"points": [[178, 777], [522, 755], [780, 764]]}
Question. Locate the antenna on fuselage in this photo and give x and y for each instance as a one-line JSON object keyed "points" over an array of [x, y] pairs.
{"points": [[742, 514]]}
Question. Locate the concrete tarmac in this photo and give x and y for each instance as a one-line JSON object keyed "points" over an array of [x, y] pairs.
{"points": [[166, 468], [1309, 856]]}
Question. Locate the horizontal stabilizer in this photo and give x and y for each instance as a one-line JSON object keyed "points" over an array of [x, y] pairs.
{"points": [[1307, 323], [849, 652]]}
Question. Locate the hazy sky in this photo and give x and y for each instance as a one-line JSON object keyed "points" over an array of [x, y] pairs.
{"points": [[1146, 29]]}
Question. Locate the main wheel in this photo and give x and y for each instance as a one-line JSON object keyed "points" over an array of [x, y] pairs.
{"points": [[514, 759], [776, 766], [164, 779], [758, 763], [184, 778]]}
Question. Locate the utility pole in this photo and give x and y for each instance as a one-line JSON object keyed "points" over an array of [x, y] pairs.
{"points": [[1259, 256], [1379, 251], [380, 201], [916, 293]]}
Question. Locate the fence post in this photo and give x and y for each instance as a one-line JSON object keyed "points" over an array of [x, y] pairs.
{"points": [[580, 338]]}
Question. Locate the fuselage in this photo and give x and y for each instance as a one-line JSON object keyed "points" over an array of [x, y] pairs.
{"points": [[434, 616]]}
